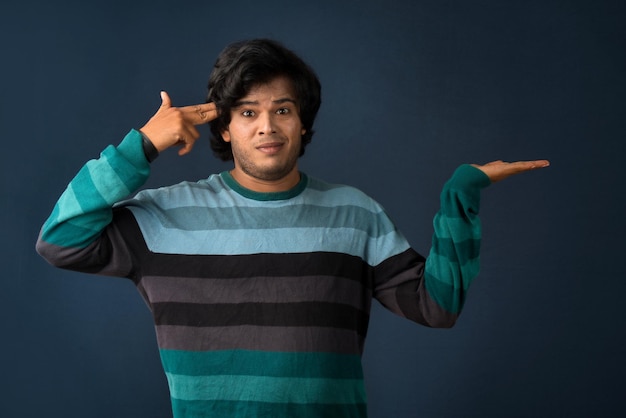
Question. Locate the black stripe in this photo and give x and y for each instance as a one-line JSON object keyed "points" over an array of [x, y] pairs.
{"points": [[300, 314], [255, 265]]}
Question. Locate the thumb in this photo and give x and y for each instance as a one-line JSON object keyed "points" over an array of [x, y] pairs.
{"points": [[166, 102]]}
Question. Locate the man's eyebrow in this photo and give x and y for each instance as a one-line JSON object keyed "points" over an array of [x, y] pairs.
{"points": [[284, 100], [245, 102], [255, 102]]}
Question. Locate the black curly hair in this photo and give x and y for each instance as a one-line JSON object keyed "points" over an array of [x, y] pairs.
{"points": [[246, 64]]}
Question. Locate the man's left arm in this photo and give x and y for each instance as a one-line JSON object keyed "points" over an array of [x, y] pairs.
{"points": [[432, 291]]}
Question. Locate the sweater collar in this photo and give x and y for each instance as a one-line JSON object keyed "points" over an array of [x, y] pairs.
{"points": [[251, 194]]}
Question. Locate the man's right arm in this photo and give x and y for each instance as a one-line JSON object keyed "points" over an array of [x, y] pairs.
{"points": [[73, 236], [84, 209]]}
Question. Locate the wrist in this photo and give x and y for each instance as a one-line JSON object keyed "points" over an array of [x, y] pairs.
{"points": [[149, 150]]}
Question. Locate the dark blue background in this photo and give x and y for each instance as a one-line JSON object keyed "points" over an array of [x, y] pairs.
{"points": [[411, 90]]}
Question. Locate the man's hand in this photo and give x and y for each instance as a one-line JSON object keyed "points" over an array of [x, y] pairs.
{"points": [[177, 125], [499, 170]]}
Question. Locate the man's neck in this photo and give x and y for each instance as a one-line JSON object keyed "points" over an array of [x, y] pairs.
{"points": [[283, 184]]}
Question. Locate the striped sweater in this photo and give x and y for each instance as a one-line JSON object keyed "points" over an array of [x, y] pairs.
{"points": [[261, 301]]}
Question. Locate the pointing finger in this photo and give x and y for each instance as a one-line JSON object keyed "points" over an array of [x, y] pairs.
{"points": [[201, 113]]}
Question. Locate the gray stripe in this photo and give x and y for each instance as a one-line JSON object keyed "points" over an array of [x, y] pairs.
{"points": [[250, 337], [257, 289], [96, 258]]}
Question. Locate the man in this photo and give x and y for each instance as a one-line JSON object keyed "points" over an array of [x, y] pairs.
{"points": [[260, 279]]}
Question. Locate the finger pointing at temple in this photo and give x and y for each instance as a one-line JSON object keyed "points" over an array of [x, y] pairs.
{"points": [[176, 125]]}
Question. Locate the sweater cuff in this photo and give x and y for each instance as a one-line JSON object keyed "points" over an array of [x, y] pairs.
{"points": [[468, 177], [131, 148], [149, 149]]}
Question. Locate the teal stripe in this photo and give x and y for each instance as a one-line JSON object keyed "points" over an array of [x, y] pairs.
{"points": [[230, 409], [458, 228], [67, 204], [450, 273], [78, 231], [467, 177], [460, 196], [265, 197], [83, 185], [447, 296], [111, 190], [69, 236], [47, 229], [460, 253], [447, 284], [266, 389], [246, 362], [128, 161]]}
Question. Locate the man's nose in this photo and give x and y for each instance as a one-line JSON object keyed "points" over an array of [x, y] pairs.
{"points": [[266, 124]]}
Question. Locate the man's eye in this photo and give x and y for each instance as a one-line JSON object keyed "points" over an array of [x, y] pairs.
{"points": [[282, 111], [247, 113]]}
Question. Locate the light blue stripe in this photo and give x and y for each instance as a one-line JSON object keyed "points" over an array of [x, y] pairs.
{"points": [[207, 218], [110, 190], [213, 193], [341, 196], [295, 216], [286, 240], [266, 389]]}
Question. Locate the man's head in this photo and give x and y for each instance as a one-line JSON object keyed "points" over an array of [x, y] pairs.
{"points": [[245, 65]]}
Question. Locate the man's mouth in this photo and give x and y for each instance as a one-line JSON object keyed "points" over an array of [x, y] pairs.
{"points": [[270, 147]]}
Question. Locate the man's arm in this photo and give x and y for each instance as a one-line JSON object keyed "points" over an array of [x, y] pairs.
{"points": [[84, 210], [453, 262], [432, 291]]}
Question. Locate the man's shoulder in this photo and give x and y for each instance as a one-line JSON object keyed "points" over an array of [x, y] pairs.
{"points": [[341, 194], [184, 193]]}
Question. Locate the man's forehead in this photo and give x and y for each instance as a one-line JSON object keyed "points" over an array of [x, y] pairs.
{"points": [[279, 87]]}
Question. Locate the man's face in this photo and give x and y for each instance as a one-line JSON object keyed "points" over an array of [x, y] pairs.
{"points": [[265, 134]]}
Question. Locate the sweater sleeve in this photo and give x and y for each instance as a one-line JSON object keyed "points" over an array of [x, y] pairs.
{"points": [[432, 291], [75, 235]]}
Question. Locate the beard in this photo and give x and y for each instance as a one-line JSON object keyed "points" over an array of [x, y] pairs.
{"points": [[269, 168]]}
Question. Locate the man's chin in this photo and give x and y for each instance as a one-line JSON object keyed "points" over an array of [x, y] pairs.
{"points": [[270, 174]]}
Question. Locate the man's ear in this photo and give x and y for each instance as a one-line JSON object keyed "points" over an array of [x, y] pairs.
{"points": [[226, 135], [303, 131]]}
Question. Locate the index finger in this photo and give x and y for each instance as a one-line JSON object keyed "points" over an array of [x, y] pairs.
{"points": [[200, 114]]}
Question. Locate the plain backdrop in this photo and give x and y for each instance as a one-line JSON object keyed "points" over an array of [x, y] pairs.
{"points": [[411, 89]]}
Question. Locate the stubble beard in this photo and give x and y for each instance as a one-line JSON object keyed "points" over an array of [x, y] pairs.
{"points": [[271, 172]]}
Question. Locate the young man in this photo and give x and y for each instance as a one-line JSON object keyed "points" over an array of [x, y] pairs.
{"points": [[260, 279]]}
